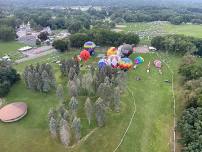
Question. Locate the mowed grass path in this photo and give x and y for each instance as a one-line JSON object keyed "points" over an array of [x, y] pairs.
{"points": [[149, 132]]}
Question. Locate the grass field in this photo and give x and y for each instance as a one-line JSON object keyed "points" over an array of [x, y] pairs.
{"points": [[10, 48], [151, 29], [149, 132]]}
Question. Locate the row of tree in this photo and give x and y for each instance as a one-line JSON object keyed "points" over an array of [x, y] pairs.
{"points": [[189, 124], [103, 37], [64, 122], [39, 78], [178, 44]]}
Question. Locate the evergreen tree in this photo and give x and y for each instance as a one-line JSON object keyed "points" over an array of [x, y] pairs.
{"points": [[100, 112], [65, 135], [46, 86], [72, 73], [76, 125], [89, 110], [73, 106], [60, 93], [53, 127], [73, 90]]}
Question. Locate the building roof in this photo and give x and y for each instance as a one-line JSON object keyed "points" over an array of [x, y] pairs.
{"points": [[25, 48]]}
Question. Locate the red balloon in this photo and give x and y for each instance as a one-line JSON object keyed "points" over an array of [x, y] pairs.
{"points": [[85, 55]]}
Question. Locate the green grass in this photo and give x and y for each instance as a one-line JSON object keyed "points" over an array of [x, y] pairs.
{"points": [[149, 132], [152, 29], [9, 48], [186, 29]]}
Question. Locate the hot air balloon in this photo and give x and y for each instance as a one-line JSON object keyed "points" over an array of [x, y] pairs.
{"points": [[85, 55], [139, 60], [113, 60], [111, 51], [125, 63], [157, 64], [125, 50], [90, 47], [102, 63]]}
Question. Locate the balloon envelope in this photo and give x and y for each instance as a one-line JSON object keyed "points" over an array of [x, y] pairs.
{"points": [[139, 60], [125, 63], [89, 45], [111, 51], [125, 50], [157, 63], [102, 63], [85, 55], [113, 60]]}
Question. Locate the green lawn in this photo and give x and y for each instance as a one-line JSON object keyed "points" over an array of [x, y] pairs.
{"points": [[9, 47], [161, 28], [150, 130], [186, 29]]}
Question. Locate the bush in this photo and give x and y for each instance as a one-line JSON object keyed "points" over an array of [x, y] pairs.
{"points": [[77, 40], [62, 45], [191, 129], [174, 43], [8, 77]]}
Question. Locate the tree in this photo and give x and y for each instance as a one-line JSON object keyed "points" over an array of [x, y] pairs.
{"points": [[72, 73], [105, 92], [53, 127], [7, 33], [190, 127], [60, 93], [100, 112], [62, 45], [8, 77], [73, 106], [73, 89], [87, 83], [43, 36], [39, 77], [89, 110], [38, 42], [130, 38], [65, 135], [117, 99], [77, 40], [75, 27], [76, 125]]}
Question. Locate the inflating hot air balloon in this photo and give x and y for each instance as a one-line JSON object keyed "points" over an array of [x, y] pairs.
{"points": [[84, 55], [102, 63], [111, 51], [125, 50], [125, 63], [139, 60], [157, 64], [90, 47], [113, 60]]}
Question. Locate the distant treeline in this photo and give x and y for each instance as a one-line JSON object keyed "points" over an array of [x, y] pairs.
{"points": [[105, 17]]}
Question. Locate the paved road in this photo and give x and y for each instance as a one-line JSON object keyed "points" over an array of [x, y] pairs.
{"points": [[35, 56]]}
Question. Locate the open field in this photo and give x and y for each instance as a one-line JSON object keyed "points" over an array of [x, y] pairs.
{"points": [[148, 30], [10, 48], [150, 131]]}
